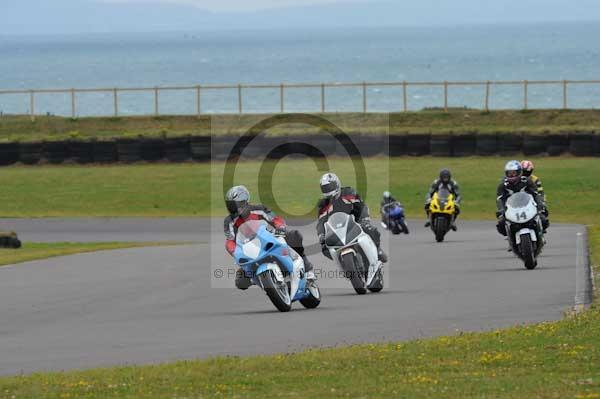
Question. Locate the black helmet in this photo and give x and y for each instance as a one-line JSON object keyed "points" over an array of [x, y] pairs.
{"points": [[445, 175], [237, 199]]}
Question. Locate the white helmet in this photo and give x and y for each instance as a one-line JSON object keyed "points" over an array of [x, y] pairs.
{"points": [[387, 194], [330, 185], [237, 199], [513, 171]]}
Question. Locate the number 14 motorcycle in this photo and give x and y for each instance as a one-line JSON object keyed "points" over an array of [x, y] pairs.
{"points": [[524, 228]]}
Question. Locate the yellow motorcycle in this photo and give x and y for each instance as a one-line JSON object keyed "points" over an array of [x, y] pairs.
{"points": [[442, 209]]}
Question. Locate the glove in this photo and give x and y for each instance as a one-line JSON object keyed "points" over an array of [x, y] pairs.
{"points": [[499, 214], [426, 207], [281, 231], [325, 251]]}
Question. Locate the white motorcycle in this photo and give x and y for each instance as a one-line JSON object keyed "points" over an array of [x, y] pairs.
{"points": [[524, 228], [355, 252]]}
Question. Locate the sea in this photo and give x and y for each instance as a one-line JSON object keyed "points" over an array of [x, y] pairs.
{"points": [[553, 51]]}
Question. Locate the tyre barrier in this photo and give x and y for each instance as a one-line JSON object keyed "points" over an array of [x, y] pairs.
{"points": [[581, 144], [510, 143], [596, 145], [486, 144], [370, 145], [177, 149], [418, 144], [464, 145], [397, 145], [30, 153], [55, 152], [557, 144], [105, 151], [81, 151], [440, 145], [152, 149], [535, 144], [199, 148], [129, 150], [9, 153]]}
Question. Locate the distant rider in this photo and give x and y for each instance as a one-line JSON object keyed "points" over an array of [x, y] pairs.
{"points": [[513, 182], [347, 200], [444, 181], [240, 210], [528, 169], [387, 199]]}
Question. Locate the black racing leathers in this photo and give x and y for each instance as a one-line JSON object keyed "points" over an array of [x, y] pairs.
{"points": [[348, 201]]}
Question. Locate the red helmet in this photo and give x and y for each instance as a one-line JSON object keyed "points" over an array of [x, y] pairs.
{"points": [[527, 167]]}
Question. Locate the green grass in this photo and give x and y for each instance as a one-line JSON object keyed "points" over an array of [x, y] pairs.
{"points": [[547, 360], [21, 128], [35, 251], [571, 184]]}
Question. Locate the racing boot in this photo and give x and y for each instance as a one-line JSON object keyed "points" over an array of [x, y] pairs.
{"points": [[309, 269], [242, 281], [382, 256]]}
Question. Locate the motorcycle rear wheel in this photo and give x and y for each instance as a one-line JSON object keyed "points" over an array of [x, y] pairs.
{"points": [[314, 297]]}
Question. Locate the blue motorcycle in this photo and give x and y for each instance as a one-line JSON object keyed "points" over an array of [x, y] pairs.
{"points": [[274, 266], [392, 218]]}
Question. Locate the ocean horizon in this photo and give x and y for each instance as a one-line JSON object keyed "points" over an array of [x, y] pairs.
{"points": [[553, 51]]}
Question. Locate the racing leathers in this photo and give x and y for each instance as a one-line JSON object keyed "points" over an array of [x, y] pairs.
{"points": [[348, 201], [260, 212], [506, 189]]}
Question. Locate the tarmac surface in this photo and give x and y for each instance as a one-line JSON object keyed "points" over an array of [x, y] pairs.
{"points": [[150, 305]]}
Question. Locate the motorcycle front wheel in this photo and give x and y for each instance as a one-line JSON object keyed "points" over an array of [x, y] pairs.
{"points": [[527, 252], [351, 268], [277, 291], [441, 225]]}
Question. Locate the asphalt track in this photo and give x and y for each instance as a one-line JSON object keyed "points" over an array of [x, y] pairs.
{"points": [[151, 305]]}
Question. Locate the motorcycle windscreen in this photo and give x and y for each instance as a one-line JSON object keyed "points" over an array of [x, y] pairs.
{"points": [[396, 210], [443, 196], [336, 229], [519, 200]]}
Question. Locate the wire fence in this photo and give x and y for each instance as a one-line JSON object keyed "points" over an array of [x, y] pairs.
{"points": [[440, 97]]}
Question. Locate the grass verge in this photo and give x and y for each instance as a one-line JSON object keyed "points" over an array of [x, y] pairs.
{"points": [[185, 189], [21, 128], [36, 251], [547, 360]]}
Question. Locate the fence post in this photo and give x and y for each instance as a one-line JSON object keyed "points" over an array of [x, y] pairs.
{"points": [[281, 99], [364, 87], [445, 96], [322, 97], [116, 101], [525, 94], [32, 105], [487, 96], [156, 101], [404, 96], [198, 101], [565, 103], [240, 103], [73, 108]]}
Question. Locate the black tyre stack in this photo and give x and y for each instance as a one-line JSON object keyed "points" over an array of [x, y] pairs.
{"points": [[30, 153], [104, 151], [129, 150], [55, 152], [9, 153]]}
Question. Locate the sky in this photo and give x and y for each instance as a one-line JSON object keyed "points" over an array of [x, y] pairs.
{"points": [[236, 5], [27, 17]]}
